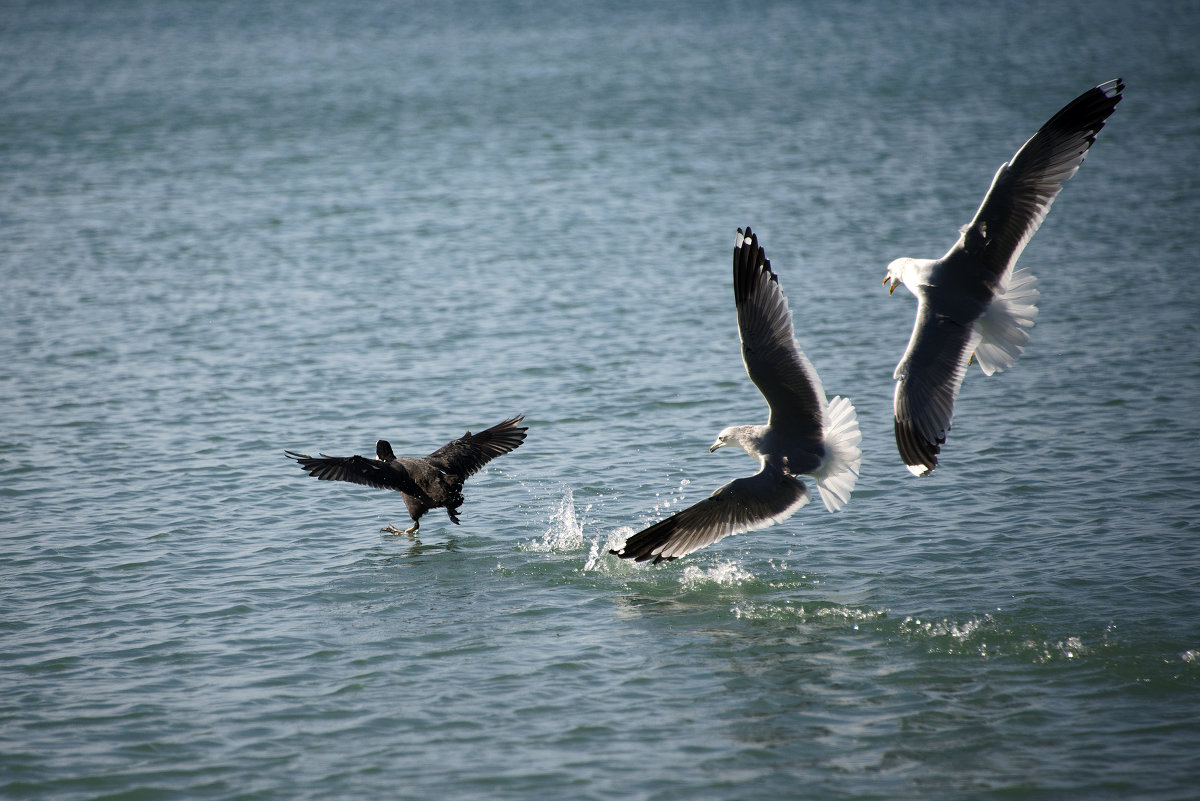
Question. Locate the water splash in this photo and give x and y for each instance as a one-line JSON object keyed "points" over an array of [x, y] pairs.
{"points": [[597, 558], [673, 499], [565, 529], [1070, 648], [725, 574], [598, 552], [808, 613], [964, 636], [945, 627], [984, 637]]}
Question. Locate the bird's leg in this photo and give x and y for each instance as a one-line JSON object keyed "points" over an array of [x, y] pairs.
{"points": [[411, 530], [453, 513]]}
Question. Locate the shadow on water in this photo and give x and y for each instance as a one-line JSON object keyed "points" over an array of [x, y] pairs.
{"points": [[413, 547]]}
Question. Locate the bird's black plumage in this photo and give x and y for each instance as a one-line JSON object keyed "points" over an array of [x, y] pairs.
{"points": [[424, 482]]}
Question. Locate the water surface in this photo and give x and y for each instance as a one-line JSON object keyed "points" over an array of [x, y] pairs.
{"points": [[231, 229]]}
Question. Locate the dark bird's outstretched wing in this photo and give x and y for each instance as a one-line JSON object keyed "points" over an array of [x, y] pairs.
{"points": [[743, 504], [358, 470], [773, 361], [466, 455], [1023, 189]]}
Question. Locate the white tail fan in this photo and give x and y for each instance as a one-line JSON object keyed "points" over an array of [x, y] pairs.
{"points": [[839, 473], [1004, 327]]}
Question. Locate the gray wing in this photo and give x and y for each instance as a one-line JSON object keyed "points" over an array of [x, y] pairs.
{"points": [[743, 504], [357, 470], [773, 361], [1023, 189], [468, 454], [928, 379]]}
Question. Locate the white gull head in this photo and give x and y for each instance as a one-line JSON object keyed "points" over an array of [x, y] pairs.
{"points": [[910, 272], [748, 438]]}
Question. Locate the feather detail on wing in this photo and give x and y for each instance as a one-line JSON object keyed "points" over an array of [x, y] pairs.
{"points": [[743, 504], [357, 470], [928, 380], [468, 454], [1023, 189], [773, 360]]}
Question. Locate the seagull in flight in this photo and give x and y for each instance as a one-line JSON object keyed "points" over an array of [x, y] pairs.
{"points": [[424, 482], [805, 434], [972, 305]]}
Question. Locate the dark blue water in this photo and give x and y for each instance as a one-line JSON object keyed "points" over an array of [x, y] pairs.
{"points": [[228, 229]]}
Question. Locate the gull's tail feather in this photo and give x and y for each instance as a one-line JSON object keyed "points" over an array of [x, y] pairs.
{"points": [[839, 472], [1004, 327]]}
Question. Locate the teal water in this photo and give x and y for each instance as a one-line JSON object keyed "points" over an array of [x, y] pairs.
{"points": [[228, 229]]}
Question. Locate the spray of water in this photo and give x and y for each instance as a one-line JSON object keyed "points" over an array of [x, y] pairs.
{"points": [[564, 531]]}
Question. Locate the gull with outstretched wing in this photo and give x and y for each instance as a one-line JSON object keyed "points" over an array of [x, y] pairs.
{"points": [[971, 303], [805, 434]]}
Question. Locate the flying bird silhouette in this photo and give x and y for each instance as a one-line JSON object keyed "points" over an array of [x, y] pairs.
{"points": [[804, 434], [971, 303], [424, 482]]}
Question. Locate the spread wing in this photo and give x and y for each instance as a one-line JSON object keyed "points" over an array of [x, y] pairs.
{"points": [[773, 361], [468, 454], [928, 380], [1023, 189], [358, 470], [743, 504]]}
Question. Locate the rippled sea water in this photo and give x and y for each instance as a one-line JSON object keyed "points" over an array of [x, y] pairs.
{"points": [[227, 229]]}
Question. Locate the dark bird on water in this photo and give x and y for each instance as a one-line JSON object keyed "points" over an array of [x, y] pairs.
{"points": [[424, 482], [972, 304]]}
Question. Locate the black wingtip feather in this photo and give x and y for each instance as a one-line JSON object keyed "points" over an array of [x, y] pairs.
{"points": [[1089, 111], [914, 449], [749, 260], [641, 546], [642, 558]]}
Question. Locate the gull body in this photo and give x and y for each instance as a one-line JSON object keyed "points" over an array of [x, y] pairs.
{"points": [[805, 433], [972, 304]]}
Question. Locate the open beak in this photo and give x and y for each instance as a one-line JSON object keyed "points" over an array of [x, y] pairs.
{"points": [[891, 288]]}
